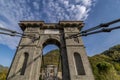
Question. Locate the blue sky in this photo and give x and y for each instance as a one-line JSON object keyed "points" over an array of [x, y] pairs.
{"points": [[92, 12]]}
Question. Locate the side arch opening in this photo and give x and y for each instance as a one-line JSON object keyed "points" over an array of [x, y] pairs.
{"points": [[79, 64], [24, 65]]}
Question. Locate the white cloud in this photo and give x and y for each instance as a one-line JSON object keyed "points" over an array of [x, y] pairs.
{"points": [[67, 9], [87, 2], [47, 10], [36, 5], [66, 3]]}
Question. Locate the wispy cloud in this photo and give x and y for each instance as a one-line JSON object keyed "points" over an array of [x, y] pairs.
{"points": [[48, 10], [66, 9]]}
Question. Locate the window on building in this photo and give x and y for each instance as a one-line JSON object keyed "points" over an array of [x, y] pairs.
{"points": [[79, 64]]}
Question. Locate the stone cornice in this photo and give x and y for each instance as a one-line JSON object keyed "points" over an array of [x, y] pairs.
{"points": [[43, 25]]}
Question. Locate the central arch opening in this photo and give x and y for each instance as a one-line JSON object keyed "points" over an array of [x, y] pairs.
{"points": [[51, 61]]}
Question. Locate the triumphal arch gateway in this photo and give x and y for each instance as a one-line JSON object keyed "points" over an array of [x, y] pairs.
{"points": [[26, 64]]}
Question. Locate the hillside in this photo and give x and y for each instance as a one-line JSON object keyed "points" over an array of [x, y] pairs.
{"points": [[106, 66], [52, 58], [3, 68], [3, 72]]}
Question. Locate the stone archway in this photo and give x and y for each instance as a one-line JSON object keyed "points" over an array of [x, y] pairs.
{"points": [[44, 33], [56, 39]]}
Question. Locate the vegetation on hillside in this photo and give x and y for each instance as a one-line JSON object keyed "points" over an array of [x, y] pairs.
{"points": [[3, 72], [106, 66], [52, 58]]}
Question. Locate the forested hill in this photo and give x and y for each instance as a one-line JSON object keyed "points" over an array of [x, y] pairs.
{"points": [[106, 66]]}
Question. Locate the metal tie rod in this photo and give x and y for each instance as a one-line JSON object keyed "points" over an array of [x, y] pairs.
{"points": [[95, 32], [101, 25], [94, 28], [13, 33], [99, 31], [10, 34], [4, 29]]}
